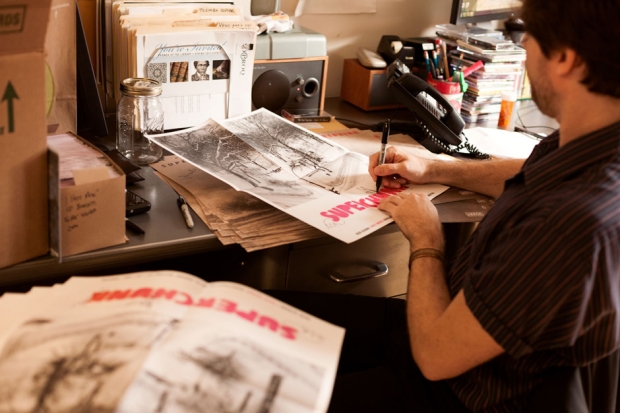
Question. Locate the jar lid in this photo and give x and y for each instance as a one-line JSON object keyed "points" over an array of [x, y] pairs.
{"points": [[141, 86]]}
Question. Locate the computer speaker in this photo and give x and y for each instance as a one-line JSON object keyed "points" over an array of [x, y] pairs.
{"points": [[289, 84]]}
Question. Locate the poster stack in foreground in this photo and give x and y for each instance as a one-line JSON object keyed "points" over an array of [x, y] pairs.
{"points": [[162, 341]]}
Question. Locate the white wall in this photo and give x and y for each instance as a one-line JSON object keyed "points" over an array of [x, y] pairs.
{"points": [[346, 32]]}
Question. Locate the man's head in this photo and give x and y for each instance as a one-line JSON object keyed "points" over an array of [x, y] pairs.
{"points": [[201, 66], [589, 27]]}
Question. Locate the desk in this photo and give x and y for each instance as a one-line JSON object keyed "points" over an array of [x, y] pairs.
{"points": [[169, 244]]}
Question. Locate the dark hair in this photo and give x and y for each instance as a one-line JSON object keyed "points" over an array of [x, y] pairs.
{"points": [[589, 27], [196, 62]]}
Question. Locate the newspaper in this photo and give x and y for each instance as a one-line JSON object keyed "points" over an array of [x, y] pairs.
{"points": [[295, 170], [189, 100], [162, 341]]}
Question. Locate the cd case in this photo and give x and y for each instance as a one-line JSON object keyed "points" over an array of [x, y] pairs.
{"points": [[306, 115]]}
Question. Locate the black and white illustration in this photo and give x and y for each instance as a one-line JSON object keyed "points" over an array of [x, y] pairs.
{"points": [[220, 373], [299, 172], [142, 362], [71, 365], [273, 159]]}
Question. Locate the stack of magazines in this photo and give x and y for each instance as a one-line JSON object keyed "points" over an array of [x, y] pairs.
{"points": [[198, 51], [162, 341], [503, 70]]}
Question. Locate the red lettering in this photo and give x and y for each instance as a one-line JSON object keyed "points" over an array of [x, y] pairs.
{"points": [[370, 204], [345, 208], [270, 323], [142, 292], [188, 300], [118, 295], [227, 306], [339, 212], [333, 217], [250, 316], [100, 296], [167, 294], [380, 195], [392, 191], [355, 205], [204, 302], [288, 332]]}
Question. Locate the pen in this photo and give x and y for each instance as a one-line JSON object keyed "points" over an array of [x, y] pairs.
{"points": [[444, 55], [435, 61], [384, 141], [185, 210], [464, 85], [133, 226], [428, 64]]}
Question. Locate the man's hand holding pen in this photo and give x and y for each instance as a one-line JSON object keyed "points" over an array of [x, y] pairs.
{"points": [[414, 214], [398, 168]]}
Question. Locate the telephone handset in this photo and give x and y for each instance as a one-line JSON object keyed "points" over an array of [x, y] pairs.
{"points": [[440, 123]]}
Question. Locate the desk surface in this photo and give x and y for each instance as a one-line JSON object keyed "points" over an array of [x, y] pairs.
{"points": [[166, 235]]}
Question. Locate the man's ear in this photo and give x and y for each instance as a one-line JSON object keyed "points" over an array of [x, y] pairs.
{"points": [[567, 62]]}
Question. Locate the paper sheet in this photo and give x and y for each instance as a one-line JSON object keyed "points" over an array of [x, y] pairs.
{"points": [[335, 7], [500, 143]]}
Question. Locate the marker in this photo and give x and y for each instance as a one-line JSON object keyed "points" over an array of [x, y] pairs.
{"points": [[464, 85], [185, 210], [428, 64], [384, 141], [471, 69], [436, 62]]}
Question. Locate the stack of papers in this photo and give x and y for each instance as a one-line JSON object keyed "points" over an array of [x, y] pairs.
{"points": [[235, 217], [168, 41], [274, 164], [162, 341], [500, 143]]}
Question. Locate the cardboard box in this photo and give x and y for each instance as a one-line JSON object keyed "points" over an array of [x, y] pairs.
{"points": [[24, 225], [366, 88], [89, 212], [60, 57]]}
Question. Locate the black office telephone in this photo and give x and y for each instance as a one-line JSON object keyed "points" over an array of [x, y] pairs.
{"points": [[441, 126]]}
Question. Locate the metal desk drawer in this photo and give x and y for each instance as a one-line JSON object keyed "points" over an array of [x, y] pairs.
{"points": [[309, 268]]}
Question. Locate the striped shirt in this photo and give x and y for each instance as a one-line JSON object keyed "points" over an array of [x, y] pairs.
{"points": [[542, 271]]}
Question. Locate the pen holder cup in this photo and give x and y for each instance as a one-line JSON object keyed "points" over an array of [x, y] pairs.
{"points": [[450, 90]]}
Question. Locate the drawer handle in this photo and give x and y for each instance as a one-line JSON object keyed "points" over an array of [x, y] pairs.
{"points": [[351, 272]]}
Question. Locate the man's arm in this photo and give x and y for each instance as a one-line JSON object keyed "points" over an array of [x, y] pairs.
{"points": [[485, 177], [446, 338]]}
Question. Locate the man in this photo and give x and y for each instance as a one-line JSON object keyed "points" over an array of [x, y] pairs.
{"points": [[537, 286], [201, 71]]}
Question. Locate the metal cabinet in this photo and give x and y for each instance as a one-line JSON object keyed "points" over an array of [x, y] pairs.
{"points": [[374, 266]]}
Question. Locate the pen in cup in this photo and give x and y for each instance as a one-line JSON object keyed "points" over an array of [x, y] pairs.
{"points": [[384, 142], [185, 210]]}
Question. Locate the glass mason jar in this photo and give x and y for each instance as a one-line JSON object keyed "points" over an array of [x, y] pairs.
{"points": [[139, 112]]}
